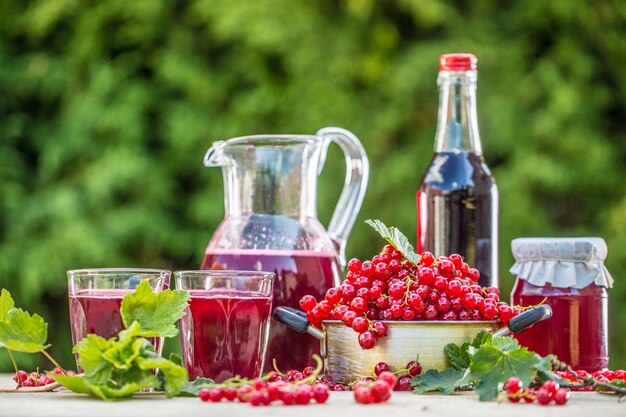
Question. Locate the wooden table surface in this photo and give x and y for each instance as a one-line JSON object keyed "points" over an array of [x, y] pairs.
{"points": [[341, 404]]}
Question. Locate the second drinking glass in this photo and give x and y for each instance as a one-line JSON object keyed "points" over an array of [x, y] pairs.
{"points": [[225, 329]]}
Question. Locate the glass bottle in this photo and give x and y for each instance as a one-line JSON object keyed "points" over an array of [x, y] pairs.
{"points": [[457, 200]]}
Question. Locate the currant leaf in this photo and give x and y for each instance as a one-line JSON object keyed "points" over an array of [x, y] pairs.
{"points": [[82, 385], [156, 314], [6, 304], [459, 356], [22, 332], [396, 239], [190, 389], [446, 381], [495, 363], [175, 375], [90, 351]]}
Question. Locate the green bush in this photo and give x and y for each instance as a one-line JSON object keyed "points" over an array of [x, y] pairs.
{"points": [[107, 108]]}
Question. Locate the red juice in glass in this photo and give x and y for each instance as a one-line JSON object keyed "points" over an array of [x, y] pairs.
{"points": [[224, 333], [98, 312], [297, 273]]}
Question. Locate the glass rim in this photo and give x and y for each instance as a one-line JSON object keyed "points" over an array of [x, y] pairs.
{"points": [[117, 271], [223, 273]]}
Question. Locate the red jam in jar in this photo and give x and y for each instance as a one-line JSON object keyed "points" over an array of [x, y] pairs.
{"points": [[569, 274]]}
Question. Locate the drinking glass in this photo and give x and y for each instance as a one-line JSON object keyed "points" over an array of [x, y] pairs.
{"points": [[225, 328], [95, 297]]}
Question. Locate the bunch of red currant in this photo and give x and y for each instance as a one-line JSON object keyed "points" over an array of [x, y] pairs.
{"points": [[544, 395], [378, 391], [293, 387], [35, 379], [412, 369], [600, 376], [392, 288]]}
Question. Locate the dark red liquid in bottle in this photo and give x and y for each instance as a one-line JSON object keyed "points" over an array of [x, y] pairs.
{"points": [[223, 335], [98, 312], [457, 209], [576, 333], [297, 273]]}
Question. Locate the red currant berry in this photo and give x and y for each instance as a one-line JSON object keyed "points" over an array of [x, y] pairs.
{"points": [[321, 392], [367, 269], [308, 302], [431, 312], [513, 385], [414, 368], [333, 296], [349, 317], [427, 259], [403, 384], [551, 386], [354, 265], [230, 393], [426, 276], [358, 305], [408, 314], [473, 274], [443, 304], [464, 315], [469, 300], [388, 377], [561, 396], [360, 324], [367, 340], [380, 329], [381, 391], [449, 316], [380, 368], [544, 397], [363, 395], [440, 284]]}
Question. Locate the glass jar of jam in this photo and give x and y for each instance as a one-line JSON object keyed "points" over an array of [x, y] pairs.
{"points": [[569, 274]]}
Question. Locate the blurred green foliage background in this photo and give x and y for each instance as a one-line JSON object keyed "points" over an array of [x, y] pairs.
{"points": [[107, 108]]}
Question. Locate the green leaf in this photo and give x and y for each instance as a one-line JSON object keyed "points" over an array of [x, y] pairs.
{"points": [[157, 314], [91, 358], [81, 385], [459, 356], [620, 383], [6, 304], [482, 338], [123, 354], [446, 381], [177, 359], [22, 332], [175, 375], [494, 364], [190, 389], [395, 238]]}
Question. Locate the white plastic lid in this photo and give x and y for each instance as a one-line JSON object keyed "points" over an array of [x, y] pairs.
{"points": [[561, 262]]}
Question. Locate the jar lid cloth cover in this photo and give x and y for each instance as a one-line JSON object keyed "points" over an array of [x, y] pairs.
{"points": [[561, 262]]}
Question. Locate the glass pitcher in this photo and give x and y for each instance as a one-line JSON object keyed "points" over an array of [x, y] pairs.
{"points": [[271, 223]]}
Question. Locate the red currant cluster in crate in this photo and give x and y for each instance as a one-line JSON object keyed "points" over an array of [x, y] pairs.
{"points": [[392, 288], [376, 391], [35, 379], [550, 391]]}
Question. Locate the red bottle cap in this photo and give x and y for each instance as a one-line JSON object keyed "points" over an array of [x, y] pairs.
{"points": [[458, 62]]}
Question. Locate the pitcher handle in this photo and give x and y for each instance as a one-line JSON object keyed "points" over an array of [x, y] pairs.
{"points": [[354, 187]]}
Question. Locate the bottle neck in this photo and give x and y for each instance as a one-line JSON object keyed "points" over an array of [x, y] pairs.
{"points": [[457, 126]]}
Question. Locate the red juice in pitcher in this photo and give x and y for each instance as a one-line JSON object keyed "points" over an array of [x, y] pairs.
{"points": [[98, 312], [297, 273], [223, 334]]}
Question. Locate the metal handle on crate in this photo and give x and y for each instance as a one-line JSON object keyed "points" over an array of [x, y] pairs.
{"points": [[296, 320], [525, 320]]}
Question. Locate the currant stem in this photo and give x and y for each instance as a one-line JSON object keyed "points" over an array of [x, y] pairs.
{"points": [[51, 359], [19, 380]]}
